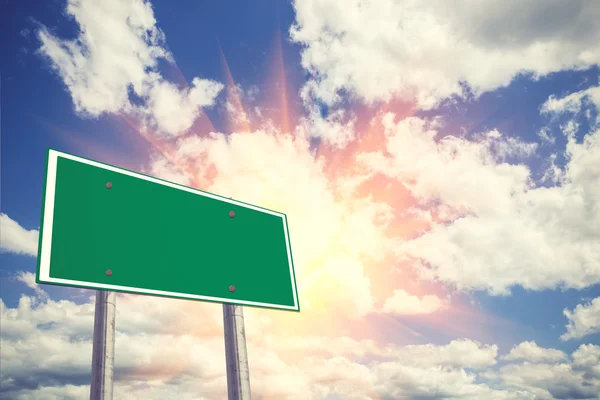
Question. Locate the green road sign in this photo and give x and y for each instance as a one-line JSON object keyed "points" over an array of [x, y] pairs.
{"points": [[107, 228]]}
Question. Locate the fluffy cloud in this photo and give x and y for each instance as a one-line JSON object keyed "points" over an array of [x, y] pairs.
{"points": [[28, 279], [46, 353], [47, 344], [492, 227], [583, 320], [458, 354], [398, 381], [577, 378], [403, 303], [466, 175], [115, 58], [586, 359], [16, 239], [530, 351], [573, 102], [336, 128], [428, 51]]}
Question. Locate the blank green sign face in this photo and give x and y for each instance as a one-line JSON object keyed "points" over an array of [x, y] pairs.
{"points": [[107, 228]]}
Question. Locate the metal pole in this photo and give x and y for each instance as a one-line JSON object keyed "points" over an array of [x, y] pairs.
{"points": [[236, 356], [103, 351]]}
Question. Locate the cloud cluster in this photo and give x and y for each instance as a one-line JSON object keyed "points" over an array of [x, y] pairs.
{"points": [[430, 51], [47, 352], [577, 378], [492, 227], [112, 66]]}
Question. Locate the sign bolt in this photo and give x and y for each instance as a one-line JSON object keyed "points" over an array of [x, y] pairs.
{"points": [[231, 214], [108, 272], [108, 185], [232, 288]]}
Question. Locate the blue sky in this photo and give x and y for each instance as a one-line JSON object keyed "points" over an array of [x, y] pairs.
{"points": [[500, 257]]}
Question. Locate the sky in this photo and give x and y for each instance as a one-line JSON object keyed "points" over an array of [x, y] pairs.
{"points": [[438, 163]]}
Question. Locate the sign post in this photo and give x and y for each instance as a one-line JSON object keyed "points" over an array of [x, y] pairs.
{"points": [[103, 346], [115, 230], [236, 355]]}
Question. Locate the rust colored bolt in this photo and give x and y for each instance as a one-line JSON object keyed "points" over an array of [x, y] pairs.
{"points": [[231, 214], [232, 288], [108, 272], [108, 185]]}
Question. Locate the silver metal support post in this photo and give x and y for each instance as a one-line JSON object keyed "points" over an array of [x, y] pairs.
{"points": [[103, 351], [236, 355]]}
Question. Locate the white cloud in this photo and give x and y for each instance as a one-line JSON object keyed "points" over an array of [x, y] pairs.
{"points": [[530, 351], [46, 353], [66, 392], [340, 346], [16, 239], [462, 174], [336, 129], [458, 354], [28, 279], [574, 379], [115, 55], [160, 166], [403, 303], [583, 320], [175, 110], [546, 137], [493, 228], [553, 173], [426, 50], [571, 103], [397, 381], [47, 344]]}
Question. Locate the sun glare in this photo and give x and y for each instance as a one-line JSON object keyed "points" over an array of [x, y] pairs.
{"points": [[350, 181]]}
